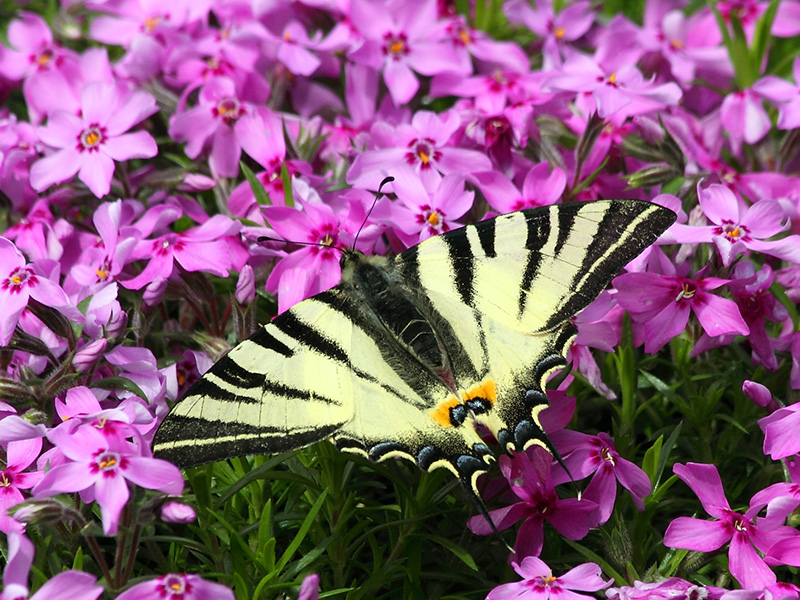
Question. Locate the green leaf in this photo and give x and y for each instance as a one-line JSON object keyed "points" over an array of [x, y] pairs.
{"points": [[262, 197], [112, 383], [301, 534], [286, 179]]}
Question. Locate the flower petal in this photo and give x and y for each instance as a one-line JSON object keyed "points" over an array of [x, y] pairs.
{"points": [[154, 474], [695, 534], [55, 168]]}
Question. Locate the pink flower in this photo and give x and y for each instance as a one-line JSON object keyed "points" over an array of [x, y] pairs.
{"points": [[13, 478], [690, 533], [401, 38], [744, 117], [786, 95], [541, 187], [427, 145], [309, 589], [421, 212], [88, 145], [586, 454], [737, 227], [197, 249], [19, 282], [539, 583], [780, 432], [69, 585], [178, 587], [221, 119], [100, 467], [532, 483], [673, 588], [662, 304]]}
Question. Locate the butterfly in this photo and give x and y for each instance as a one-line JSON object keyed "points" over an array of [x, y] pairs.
{"points": [[410, 353]]}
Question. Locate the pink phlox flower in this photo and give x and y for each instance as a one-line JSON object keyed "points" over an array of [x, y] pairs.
{"points": [[599, 326], [69, 585], [103, 261], [200, 248], [119, 422], [501, 134], [426, 145], [557, 29], [100, 468], [737, 227], [531, 482], [744, 118], [42, 63], [617, 93], [178, 587], [89, 144], [597, 455], [540, 187], [673, 588], [19, 282], [220, 120], [309, 589], [760, 395], [689, 44], [784, 94], [19, 147], [421, 210], [690, 533], [401, 39], [135, 18], [138, 365], [470, 42], [34, 234], [176, 512], [312, 268], [495, 91], [747, 12], [539, 583], [20, 455], [780, 432], [780, 499], [662, 304], [294, 48]]}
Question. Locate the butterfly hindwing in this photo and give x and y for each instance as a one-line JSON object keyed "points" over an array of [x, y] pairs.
{"points": [[408, 354]]}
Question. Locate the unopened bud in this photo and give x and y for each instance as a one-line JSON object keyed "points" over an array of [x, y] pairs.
{"points": [[85, 358], [177, 512], [246, 286], [155, 291]]}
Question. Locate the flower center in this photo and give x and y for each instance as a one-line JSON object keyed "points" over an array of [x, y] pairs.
{"points": [[174, 587], [559, 32], [150, 23], [45, 57], [91, 138], [395, 45], [6, 479], [686, 292], [607, 456], [107, 463], [228, 109], [19, 278], [733, 231], [463, 37], [433, 218], [676, 44], [422, 153]]}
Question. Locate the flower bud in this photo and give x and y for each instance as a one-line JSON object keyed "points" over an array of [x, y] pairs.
{"points": [[246, 286], [116, 324], [155, 291], [177, 512], [88, 355]]}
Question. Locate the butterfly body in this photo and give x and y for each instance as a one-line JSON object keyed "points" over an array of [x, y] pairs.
{"points": [[409, 354]]}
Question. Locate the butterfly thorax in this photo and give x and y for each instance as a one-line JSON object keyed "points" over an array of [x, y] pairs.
{"points": [[400, 309]]}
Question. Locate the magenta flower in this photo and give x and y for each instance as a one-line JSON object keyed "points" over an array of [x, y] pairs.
{"points": [[425, 144], [622, 92], [309, 589], [541, 187], [178, 587], [780, 432], [315, 267], [737, 228], [784, 94], [88, 145], [557, 29], [531, 482], [13, 478], [100, 467], [19, 282], [587, 454], [662, 304], [221, 119], [539, 583], [744, 118], [401, 39], [421, 212], [690, 533], [69, 585], [197, 249], [673, 588]]}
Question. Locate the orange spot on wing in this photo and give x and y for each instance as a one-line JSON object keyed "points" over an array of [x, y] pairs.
{"points": [[441, 414]]}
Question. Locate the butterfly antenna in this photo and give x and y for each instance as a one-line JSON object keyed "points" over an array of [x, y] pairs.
{"points": [[378, 195], [482, 510]]}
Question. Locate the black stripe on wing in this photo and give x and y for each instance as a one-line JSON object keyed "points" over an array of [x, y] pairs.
{"points": [[191, 441], [615, 244]]}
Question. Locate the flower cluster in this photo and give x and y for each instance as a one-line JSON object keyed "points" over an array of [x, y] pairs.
{"points": [[127, 203]]}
